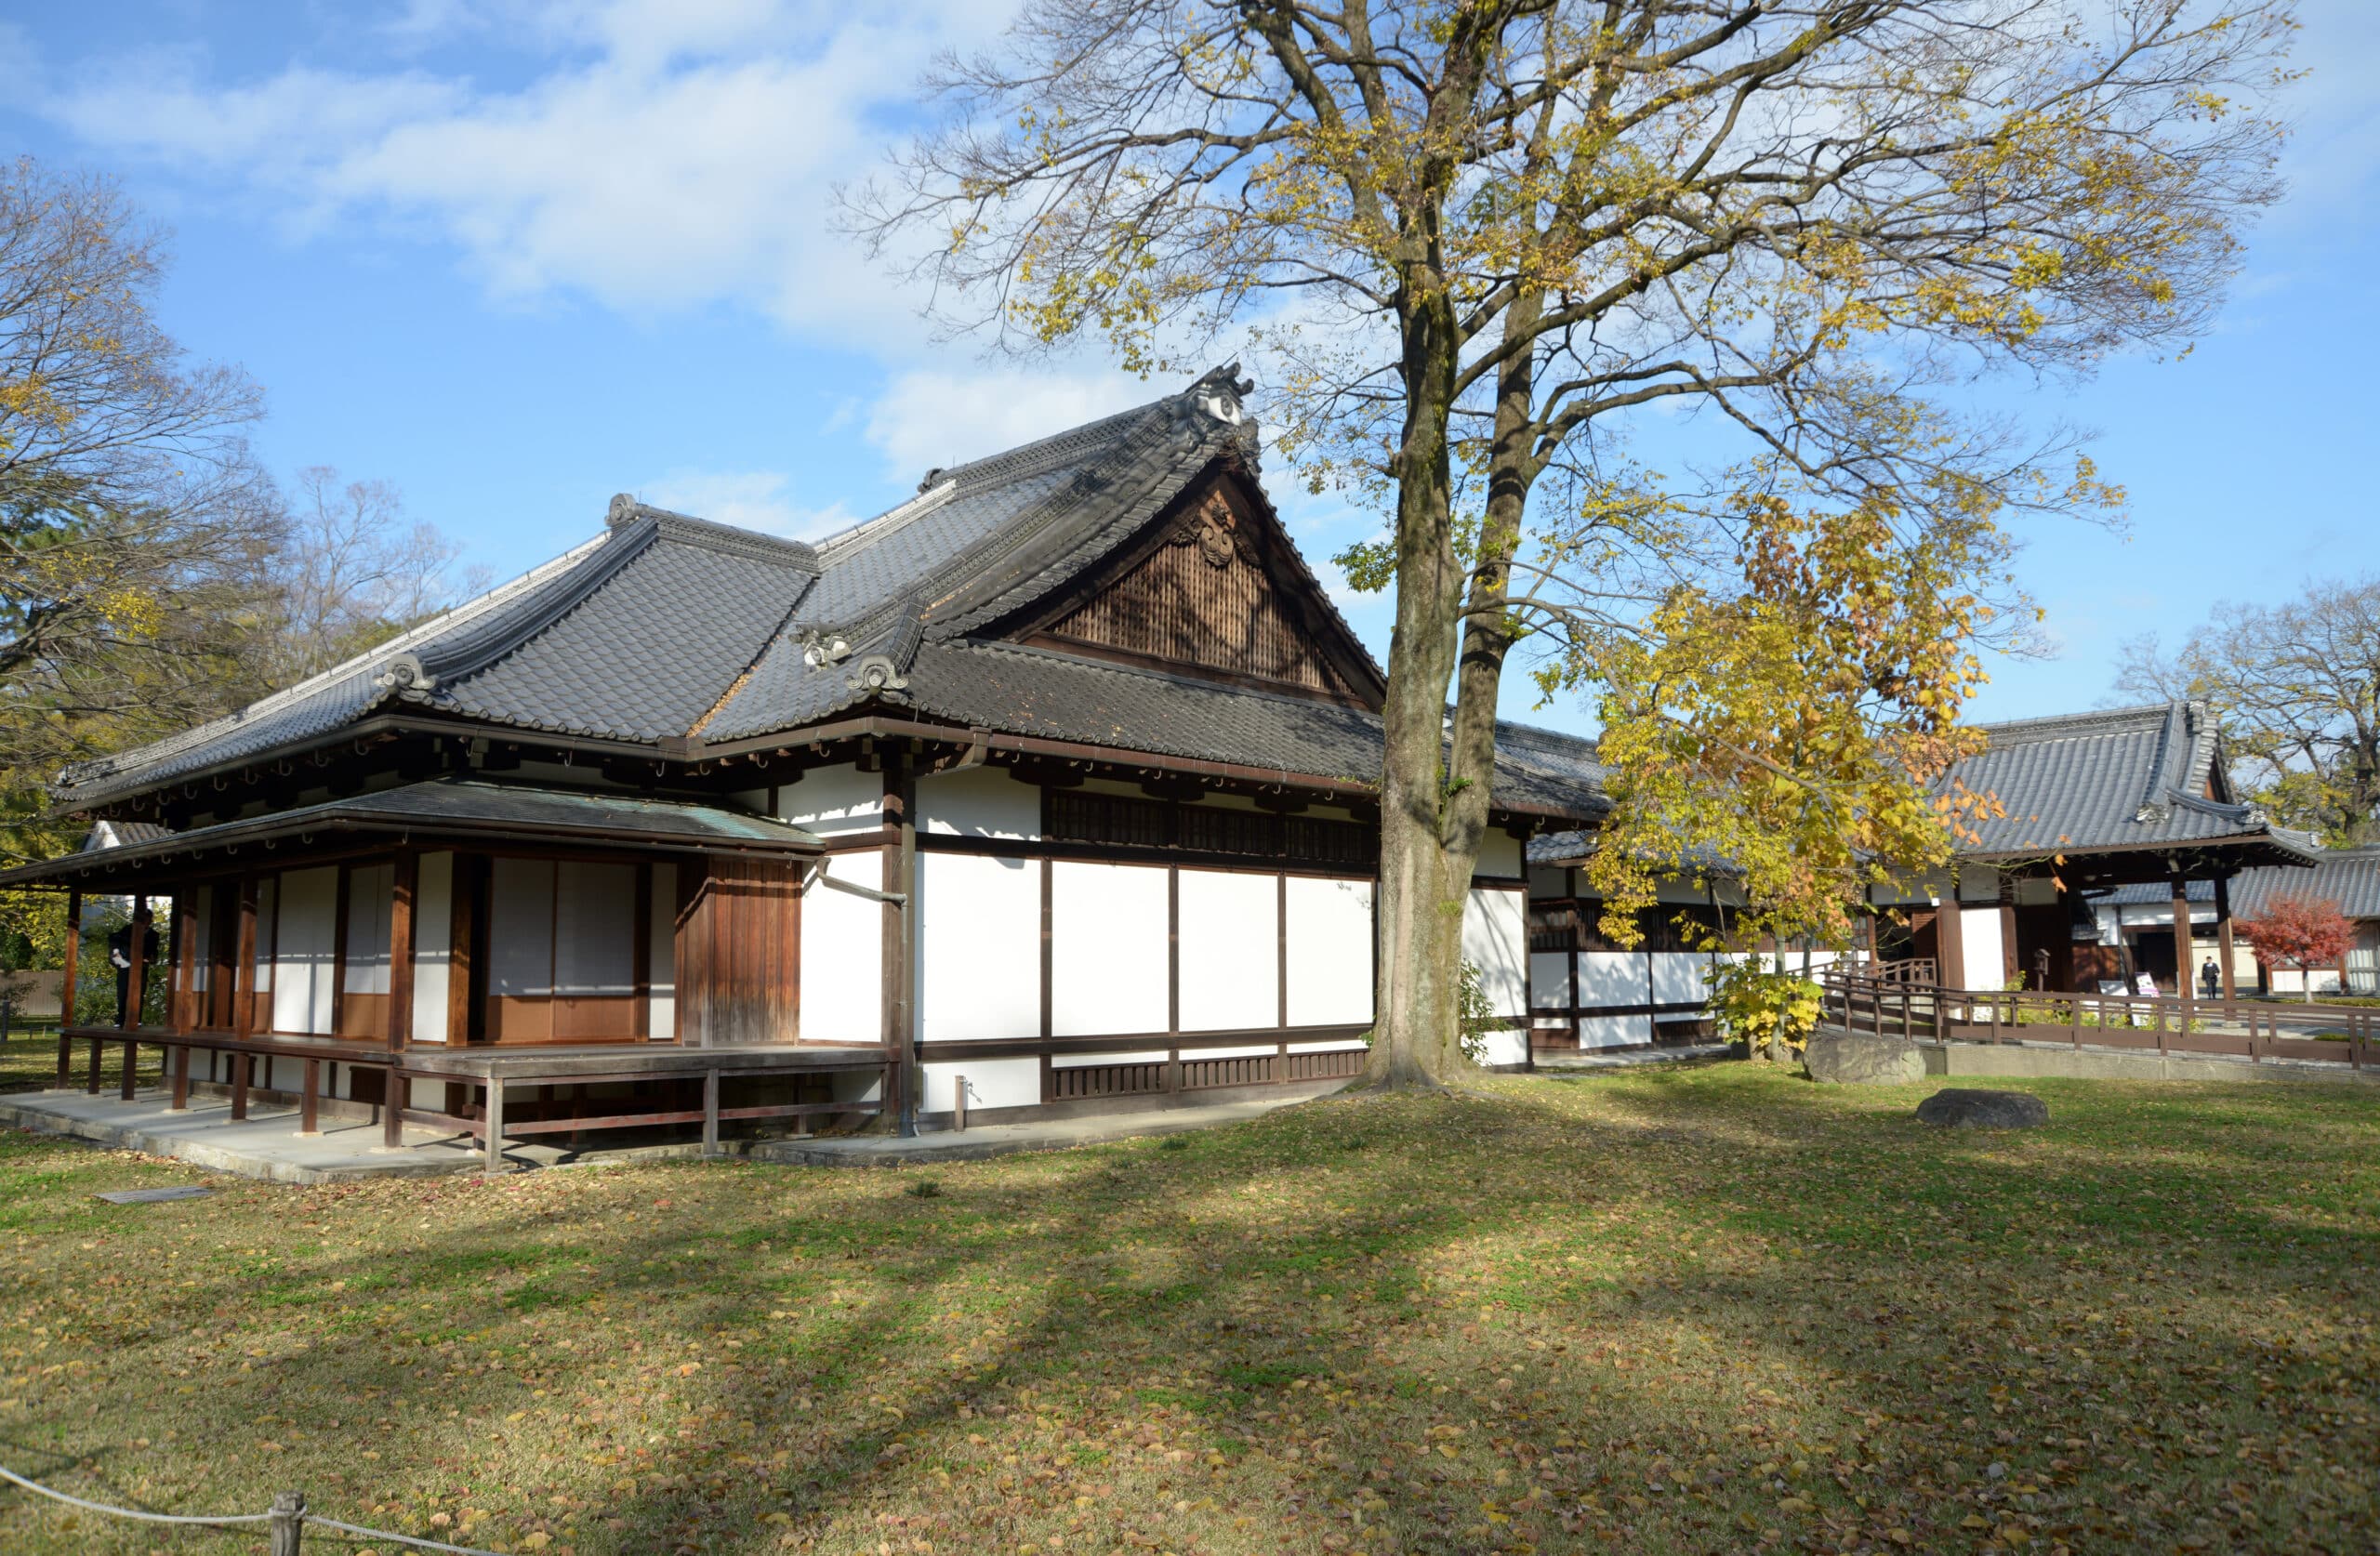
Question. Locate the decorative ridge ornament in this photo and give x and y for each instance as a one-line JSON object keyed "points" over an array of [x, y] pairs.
{"points": [[1220, 392]]}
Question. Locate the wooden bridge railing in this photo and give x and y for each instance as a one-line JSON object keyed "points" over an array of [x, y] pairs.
{"points": [[2254, 1030]]}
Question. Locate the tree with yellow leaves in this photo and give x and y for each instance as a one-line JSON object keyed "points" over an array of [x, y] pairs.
{"points": [[1476, 240], [134, 525]]}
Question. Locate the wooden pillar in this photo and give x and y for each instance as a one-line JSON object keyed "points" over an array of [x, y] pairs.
{"points": [[1951, 940], [307, 1123], [2185, 955], [2226, 946], [494, 1122], [136, 987], [66, 986], [900, 844], [401, 915], [181, 1079], [243, 995], [710, 1112], [182, 1010]]}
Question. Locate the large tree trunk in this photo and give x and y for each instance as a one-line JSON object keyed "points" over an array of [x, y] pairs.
{"points": [[1436, 780]]}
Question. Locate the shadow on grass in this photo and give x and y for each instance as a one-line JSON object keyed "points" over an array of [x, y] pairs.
{"points": [[1700, 1312]]}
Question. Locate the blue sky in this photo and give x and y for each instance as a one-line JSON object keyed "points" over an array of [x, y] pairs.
{"points": [[516, 256]]}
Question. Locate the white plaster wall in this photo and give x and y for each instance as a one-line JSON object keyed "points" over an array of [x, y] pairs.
{"points": [[370, 890], [1548, 880], [1331, 952], [1548, 978], [991, 1083], [1107, 949], [304, 932], [834, 800], [1495, 937], [661, 955], [1612, 978], [1680, 977], [595, 929], [1230, 949], [1335, 1045], [1614, 1031], [1979, 940], [1500, 855], [433, 945], [979, 947], [1249, 1052], [1978, 883], [979, 802], [267, 935], [1503, 1045], [1086, 1061], [1682, 892], [842, 955]]}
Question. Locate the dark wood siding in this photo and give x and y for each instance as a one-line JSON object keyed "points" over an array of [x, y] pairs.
{"points": [[739, 963], [1203, 599]]}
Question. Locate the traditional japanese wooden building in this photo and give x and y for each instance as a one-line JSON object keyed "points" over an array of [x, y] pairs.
{"points": [[1051, 789], [2103, 814]]}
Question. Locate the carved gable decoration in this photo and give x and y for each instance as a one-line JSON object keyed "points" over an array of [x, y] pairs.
{"points": [[1205, 598]]}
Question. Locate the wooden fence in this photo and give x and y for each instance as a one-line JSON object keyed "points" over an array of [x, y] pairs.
{"points": [[2254, 1030]]}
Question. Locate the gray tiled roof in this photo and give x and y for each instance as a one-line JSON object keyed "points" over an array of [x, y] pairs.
{"points": [[2348, 876], [669, 627], [2134, 777]]}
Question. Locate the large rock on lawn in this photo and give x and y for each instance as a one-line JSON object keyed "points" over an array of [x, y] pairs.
{"points": [[1984, 1110], [1856, 1059]]}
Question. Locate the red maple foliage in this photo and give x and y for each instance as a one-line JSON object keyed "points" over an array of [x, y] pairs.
{"points": [[2296, 933]]}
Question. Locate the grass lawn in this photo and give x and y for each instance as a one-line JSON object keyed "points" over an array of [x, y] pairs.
{"points": [[29, 1059], [1706, 1310]]}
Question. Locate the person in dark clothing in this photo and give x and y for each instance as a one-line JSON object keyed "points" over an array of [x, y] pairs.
{"points": [[2210, 978], [120, 958]]}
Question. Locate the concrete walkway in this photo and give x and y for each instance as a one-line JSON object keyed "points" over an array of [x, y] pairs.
{"points": [[1631, 1058], [985, 1141], [266, 1145]]}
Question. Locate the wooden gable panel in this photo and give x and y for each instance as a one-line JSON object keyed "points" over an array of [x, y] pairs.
{"points": [[1205, 595]]}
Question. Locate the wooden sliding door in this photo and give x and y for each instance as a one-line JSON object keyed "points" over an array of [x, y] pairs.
{"points": [[739, 955]]}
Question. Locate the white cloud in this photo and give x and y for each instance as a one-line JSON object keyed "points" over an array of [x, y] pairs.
{"points": [[929, 417], [667, 154], [748, 499]]}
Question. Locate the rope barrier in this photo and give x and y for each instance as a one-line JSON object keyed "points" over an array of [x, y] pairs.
{"points": [[402, 1539], [130, 1512], [226, 1520]]}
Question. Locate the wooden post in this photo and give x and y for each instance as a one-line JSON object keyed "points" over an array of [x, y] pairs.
{"points": [[710, 1112], [958, 1104], [306, 1120], [288, 1524], [493, 1121], [2224, 942], [900, 873], [244, 996], [181, 1079], [2185, 955], [393, 1101], [136, 989], [66, 986], [1951, 940], [182, 1010]]}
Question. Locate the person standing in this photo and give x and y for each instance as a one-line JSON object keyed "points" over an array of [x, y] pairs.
{"points": [[2210, 978]]}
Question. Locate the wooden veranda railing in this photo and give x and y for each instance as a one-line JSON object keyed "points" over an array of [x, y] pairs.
{"points": [[2254, 1030]]}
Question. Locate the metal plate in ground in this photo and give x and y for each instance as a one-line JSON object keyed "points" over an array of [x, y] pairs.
{"points": [[152, 1196]]}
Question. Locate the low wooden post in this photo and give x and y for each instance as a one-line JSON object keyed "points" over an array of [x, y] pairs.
{"points": [[958, 1104], [710, 1112], [66, 986], [307, 1123], [181, 1079], [494, 1123], [288, 1526]]}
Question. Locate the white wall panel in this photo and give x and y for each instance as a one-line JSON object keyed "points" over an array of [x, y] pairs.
{"points": [[595, 929], [521, 927], [1614, 1031], [1334, 1045], [1548, 978], [370, 890], [433, 945], [267, 935], [979, 947], [1612, 978], [1331, 952], [834, 800], [661, 955], [1230, 949], [1979, 940], [1107, 949], [305, 929], [1495, 936], [1679, 977], [991, 1083], [1503, 1045], [980, 803], [842, 955], [1500, 854], [1091, 1061]]}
